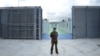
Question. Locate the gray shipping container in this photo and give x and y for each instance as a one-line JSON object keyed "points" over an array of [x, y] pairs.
{"points": [[86, 21], [21, 22]]}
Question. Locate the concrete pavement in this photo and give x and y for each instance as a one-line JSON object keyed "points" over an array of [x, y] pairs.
{"points": [[76, 47]]}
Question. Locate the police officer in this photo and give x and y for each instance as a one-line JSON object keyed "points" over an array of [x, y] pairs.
{"points": [[54, 40]]}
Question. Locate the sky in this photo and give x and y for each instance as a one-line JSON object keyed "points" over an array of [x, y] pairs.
{"points": [[53, 10]]}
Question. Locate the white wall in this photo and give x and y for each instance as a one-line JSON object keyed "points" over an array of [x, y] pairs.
{"points": [[63, 26], [45, 26]]}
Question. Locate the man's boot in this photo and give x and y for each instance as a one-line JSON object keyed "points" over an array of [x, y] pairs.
{"points": [[51, 51], [57, 51]]}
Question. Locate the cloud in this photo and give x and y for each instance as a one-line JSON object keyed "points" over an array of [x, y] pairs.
{"points": [[54, 10], [95, 2]]}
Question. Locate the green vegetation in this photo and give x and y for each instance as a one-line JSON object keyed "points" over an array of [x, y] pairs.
{"points": [[58, 30]]}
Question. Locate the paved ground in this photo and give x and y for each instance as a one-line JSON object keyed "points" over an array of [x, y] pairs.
{"points": [[76, 47]]}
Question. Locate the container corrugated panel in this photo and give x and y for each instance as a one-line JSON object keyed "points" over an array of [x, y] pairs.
{"points": [[21, 22]]}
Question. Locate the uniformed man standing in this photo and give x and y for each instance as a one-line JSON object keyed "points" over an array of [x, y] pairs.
{"points": [[54, 40]]}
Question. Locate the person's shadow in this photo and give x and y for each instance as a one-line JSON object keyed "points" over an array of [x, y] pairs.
{"points": [[54, 54]]}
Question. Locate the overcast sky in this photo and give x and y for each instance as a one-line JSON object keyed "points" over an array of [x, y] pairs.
{"points": [[53, 10]]}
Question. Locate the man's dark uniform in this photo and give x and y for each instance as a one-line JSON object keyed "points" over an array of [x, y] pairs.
{"points": [[54, 41]]}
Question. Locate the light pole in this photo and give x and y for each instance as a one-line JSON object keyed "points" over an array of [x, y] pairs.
{"points": [[18, 3]]}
